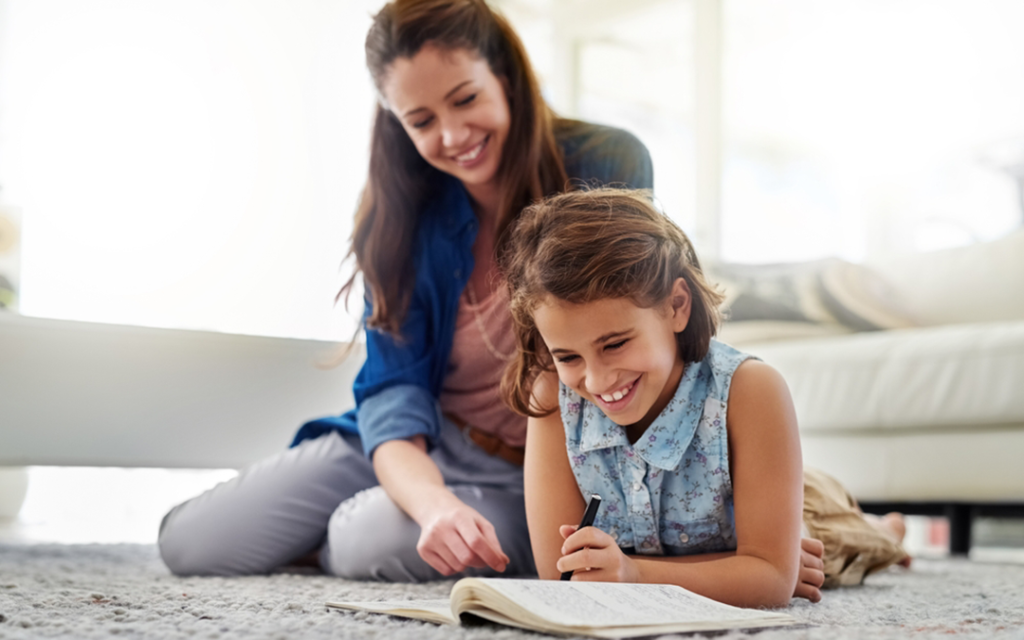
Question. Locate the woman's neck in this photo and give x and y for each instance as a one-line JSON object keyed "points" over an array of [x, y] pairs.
{"points": [[486, 200]]}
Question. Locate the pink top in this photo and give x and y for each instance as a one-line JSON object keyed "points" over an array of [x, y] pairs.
{"points": [[472, 385]]}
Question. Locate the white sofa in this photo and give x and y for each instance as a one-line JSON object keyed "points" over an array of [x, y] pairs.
{"points": [[79, 393], [925, 417]]}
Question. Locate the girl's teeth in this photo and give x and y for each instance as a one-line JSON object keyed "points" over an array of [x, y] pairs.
{"points": [[614, 397]]}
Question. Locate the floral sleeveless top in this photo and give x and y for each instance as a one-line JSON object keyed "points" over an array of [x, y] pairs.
{"points": [[670, 493]]}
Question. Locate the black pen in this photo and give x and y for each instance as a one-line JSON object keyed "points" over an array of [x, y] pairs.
{"points": [[588, 520]]}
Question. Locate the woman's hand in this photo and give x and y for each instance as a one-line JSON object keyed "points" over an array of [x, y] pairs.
{"points": [[453, 535], [594, 556], [812, 570], [456, 536]]}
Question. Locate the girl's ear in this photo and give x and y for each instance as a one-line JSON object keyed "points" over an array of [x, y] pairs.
{"points": [[681, 304]]}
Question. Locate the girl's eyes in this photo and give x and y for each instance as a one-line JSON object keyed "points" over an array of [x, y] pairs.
{"points": [[573, 358], [422, 123], [466, 100]]}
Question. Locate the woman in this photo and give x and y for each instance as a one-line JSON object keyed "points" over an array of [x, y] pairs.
{"points": [[423, 479]]}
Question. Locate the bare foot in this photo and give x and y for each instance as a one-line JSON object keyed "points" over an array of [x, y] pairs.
{"points": [[894, 522], [892, 525]]}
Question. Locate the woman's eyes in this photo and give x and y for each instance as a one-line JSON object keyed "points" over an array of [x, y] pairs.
{"points": [[616, 345], [461, 103], [567, 359]]}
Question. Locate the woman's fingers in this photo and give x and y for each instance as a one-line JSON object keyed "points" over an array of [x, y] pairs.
{"points": [[434, 559], [479, 546], [459, 539]]}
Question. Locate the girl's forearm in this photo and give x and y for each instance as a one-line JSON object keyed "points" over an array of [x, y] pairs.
{"points": [[740, 580], [411, 478]]}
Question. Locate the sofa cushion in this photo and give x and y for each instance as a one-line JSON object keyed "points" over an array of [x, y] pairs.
{"points": [[934, 378], [982, 282], [831, 293]]}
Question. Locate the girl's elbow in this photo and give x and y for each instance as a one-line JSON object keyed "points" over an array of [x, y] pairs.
{"points": [[779, 595], [780, 592], [776, 587]]}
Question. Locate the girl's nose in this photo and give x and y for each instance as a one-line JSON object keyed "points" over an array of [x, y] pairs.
{"points": [[599, 379]]}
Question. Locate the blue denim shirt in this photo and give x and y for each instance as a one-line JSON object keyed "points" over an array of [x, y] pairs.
{"points": [[670, 492], [397, 389]]}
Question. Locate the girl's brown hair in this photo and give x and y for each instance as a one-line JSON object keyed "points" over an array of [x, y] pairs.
{"points": [[400, 181], [583, 246]]}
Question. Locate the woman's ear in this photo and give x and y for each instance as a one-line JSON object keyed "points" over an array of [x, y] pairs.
{"points": [[682, 302]]}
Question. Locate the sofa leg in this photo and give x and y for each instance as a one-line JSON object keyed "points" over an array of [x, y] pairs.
{"points": [[960, 517]]}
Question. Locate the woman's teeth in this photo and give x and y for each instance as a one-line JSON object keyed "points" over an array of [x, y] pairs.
{"points": [[471, 154]]}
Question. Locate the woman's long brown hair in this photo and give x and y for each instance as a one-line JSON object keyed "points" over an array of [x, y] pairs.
{"points": [[400, 181]]}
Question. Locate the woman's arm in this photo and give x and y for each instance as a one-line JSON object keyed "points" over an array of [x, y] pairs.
{"points": [[552, 495], [766, 467], [454, 535]]}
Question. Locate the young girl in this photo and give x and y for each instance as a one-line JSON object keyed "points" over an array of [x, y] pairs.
{"points": [[692, 445]]}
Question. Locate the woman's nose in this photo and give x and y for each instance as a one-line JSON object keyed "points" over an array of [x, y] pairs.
{"points": [[454, 133]]}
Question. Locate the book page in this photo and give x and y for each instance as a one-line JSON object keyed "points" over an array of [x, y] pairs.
{"points": [[438, 611], [607, 604]]}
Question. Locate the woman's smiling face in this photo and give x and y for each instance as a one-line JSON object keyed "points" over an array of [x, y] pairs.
{"points": [[454, 109], [617, 355]]}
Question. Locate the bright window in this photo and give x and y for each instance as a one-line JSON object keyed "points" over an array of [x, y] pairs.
{"points": [[864, 127], [185, 163]]}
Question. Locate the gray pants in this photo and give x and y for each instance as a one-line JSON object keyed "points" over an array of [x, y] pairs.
{"points": [[323, 494]]}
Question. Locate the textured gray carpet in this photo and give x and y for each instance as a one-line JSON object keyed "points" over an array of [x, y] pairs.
{"points": [[123, 591]]}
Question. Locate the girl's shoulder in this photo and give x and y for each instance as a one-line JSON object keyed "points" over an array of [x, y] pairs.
{"points": [[721, 364]]}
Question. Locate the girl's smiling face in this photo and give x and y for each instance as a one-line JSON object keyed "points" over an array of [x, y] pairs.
{"points": [[617, 355], [454, 110]]}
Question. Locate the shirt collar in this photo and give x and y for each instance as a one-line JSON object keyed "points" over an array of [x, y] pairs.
{"points": [[665, 441], [452, 206]]}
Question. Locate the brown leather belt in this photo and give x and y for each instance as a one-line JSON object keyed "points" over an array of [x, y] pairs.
{"points": [[491, 444]]}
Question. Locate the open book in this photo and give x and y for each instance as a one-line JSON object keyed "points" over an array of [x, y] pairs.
{"points": [[596, 609]]}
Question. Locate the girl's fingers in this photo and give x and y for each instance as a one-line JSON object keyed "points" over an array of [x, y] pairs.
{"points": [[587, 537], [813, 577], [585, 559], [594, 575], [812, 561], [567, 530], [808, 592], [814, 547]]}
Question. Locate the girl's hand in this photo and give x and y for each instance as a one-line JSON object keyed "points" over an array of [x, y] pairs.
{"points": [[812, 570], [457, 537], [594, 556]]}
